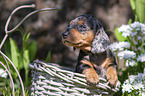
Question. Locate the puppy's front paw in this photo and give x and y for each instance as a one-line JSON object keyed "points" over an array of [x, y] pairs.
{"points": [[91, 75], [112, 76]]}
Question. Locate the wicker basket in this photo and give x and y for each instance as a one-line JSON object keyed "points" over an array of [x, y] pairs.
{"points": [[50, 79]]}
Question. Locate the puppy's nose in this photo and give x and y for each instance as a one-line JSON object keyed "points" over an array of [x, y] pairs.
{"points": [[65, 34]]}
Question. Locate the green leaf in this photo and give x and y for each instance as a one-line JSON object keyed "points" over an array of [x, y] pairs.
{"points": [[2, 60], [48, 57], [130, 21], [26, 39], [7, 49], [26, 62], [2, 84], [140, 10], [32, 47], [14, 53], [21, 66], [119, 35], [132, 3]]}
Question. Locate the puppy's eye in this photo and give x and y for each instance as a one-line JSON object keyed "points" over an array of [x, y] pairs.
{"points": [[82, 27]]}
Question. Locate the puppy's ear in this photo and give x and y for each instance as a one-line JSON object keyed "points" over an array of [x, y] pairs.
{"points": [[101, 40]]}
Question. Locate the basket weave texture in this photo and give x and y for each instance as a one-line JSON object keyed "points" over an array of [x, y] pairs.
{"points": [[49, 79]]}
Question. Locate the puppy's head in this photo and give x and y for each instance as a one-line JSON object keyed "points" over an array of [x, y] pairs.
{"points": [[86, 32]]}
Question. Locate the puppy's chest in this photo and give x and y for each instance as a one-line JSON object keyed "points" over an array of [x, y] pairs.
{"points": [[97, 59]]}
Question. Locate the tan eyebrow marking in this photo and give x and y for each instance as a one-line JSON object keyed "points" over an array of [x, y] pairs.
{"points": [[81, 22], [71, 22]]}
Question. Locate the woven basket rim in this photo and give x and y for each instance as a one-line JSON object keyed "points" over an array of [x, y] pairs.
{"points": [[69, 76]]}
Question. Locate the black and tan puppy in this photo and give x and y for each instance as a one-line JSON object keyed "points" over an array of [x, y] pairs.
{"points": [[95, 59]]}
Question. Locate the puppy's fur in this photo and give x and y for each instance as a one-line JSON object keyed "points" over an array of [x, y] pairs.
{"points": [[86, 33]]}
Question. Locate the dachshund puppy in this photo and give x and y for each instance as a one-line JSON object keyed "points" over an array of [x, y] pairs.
{"points": [[95, 59]]}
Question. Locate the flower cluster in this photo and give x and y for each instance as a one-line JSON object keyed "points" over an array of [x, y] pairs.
{"points": [[133, 49], [126, 29], [126, 54], [130, 63], [119, 46], [135, 82], [141, 58], [132, 29]]}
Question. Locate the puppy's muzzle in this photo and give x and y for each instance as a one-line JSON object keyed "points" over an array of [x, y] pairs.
{"points": [[66, 33]]}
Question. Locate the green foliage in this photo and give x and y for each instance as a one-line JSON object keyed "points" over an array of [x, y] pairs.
{"points": [[32, 50], [7, 92], [14, 52], [140, 10], [132, 52], [48, 57], [118, 35], [21, 59], [136, 45], [138, 7], [133, 93], [132, 3]]}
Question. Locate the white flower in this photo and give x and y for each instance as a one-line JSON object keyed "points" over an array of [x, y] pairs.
{"points": [[139, 48], [131, 79], [130, 63], [126, 30], [135, 82], [137, 29], [139, 37], [138, 86], [3, 73], [135, 24], [127, 33], [119, 46], [114, 46], [127, 87], [126, 54], [135, 43], [124, 44], [138, 26], [133, 33], [141, 58], [142, 94], [143, 29]]}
